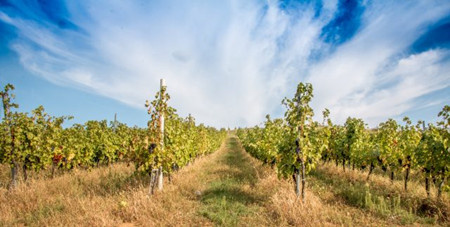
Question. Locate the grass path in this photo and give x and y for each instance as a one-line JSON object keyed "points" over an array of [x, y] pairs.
{"points": [[230, 196], [239, 191], [234, 189]]}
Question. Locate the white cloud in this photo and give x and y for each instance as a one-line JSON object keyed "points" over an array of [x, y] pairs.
{"points": [[231, 62], [412, 77], [370, 77]]}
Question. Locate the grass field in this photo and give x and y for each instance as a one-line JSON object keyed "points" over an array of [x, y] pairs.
{"points": [[226, 188]]}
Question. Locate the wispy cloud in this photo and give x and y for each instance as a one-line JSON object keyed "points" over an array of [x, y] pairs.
{"points": [[374, 76], [231, 62]]}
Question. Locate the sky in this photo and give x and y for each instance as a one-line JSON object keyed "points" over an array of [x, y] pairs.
{"points": [[228, 63]]}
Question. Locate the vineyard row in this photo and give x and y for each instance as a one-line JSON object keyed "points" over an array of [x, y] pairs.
{"points": [[37, 141], [296, 143]]}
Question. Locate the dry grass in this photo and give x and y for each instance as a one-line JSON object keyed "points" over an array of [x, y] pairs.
{"points": [[380, 196], [416, 184], [227, 188], [104, 197], [283, 208]]}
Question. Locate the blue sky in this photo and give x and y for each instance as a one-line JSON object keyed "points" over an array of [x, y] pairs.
{"points": [[228, 63]]}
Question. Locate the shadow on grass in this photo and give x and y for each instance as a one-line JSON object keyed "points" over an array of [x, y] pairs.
{"points": [[226, 199], [225, 204], [110, 183]]}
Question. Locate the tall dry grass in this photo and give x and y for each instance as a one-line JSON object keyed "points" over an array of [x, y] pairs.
{"points": [[380, 195], [283, 208], [106, 196]]}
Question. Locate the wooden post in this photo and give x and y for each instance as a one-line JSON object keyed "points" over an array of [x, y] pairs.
{"points": [[408, 167], [300, 154], [115, 122], [6, 110], [302, 164], [439, 195], [372, 166], [161, 119], [297, 176]]}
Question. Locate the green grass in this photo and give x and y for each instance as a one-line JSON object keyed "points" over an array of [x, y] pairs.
{"points": [[380, 201], [225, 201]]}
